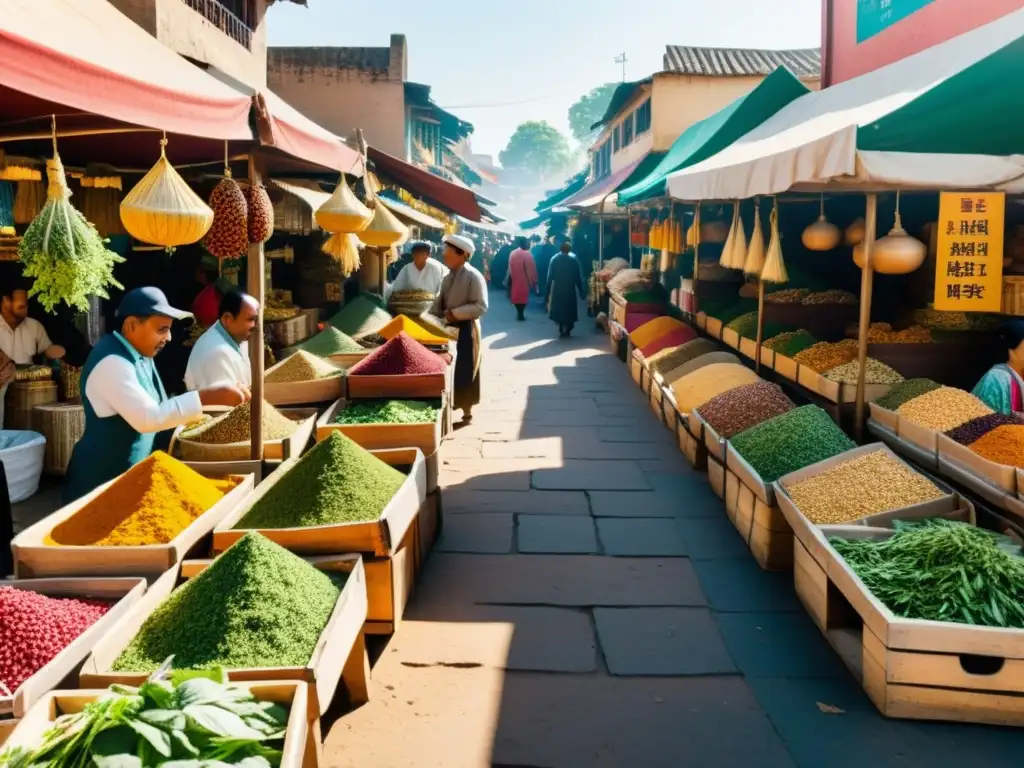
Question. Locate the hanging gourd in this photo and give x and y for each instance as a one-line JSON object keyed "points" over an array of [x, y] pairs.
{"points": [[754, 262], [678, 245], [228, 237], [343, 211], [384, 229], [714, 232], [733, 257], [855, 232], [260, 213], [344, 247], [163, 210], [822, 235], [898, 253], [774, 267]]}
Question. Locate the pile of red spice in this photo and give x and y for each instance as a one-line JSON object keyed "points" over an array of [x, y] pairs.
{"points": [[34, 628], [403, 355], [670, 340]]}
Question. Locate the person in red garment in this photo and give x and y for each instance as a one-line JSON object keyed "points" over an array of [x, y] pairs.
{"points": [[522, 277]]}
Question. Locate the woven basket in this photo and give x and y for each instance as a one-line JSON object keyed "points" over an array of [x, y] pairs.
{"points": [[285, 333], [70, 382], [62, 424], [22, 397]]}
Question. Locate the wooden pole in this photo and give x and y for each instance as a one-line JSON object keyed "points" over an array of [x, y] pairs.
{"points": [[760, 324], [256, 282], [866, 281], [696, 255]]}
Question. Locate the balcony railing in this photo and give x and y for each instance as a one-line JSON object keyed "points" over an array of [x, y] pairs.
{"points": [[236, 24]]}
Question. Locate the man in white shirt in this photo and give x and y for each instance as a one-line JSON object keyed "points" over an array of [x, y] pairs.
{"points": [[221, 355], [21, 337], [125, 403], [423, 274]]}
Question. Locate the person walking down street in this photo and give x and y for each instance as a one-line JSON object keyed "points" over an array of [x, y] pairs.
{"points": [[463, 301], [564, 284], [522, 277]]}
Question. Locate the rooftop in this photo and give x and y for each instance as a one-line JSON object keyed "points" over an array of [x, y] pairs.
{"points": [[738, 62]]}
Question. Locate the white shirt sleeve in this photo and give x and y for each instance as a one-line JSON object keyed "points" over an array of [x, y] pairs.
{"points": [[40, 339], [211, 367], [113, 389]]}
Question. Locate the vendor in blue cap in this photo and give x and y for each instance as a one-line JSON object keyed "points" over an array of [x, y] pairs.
{"points": [[128, 414]]}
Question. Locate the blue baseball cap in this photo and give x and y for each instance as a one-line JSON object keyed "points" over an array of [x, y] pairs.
{"points": [[147, 302]]}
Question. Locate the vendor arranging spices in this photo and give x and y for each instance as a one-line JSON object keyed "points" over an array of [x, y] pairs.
{"points": [[151, 503], [741, 408], [791, 441], [943, 409], [235, 425], [34, 628], [302, 366], [257, 605], [940, 570], [336, 482], [388, 412], [402, 355], [866, 485]]}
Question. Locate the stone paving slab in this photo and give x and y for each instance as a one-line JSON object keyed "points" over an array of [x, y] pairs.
{"points": [[640, 537], [553, 534], [779, 645], [661, 641], [630, 434], [582, 475], [739, 585], [482, 534], [672, 465], [632, 504], [579, 580], [711, 538], [540, 447], [491, 474], [462, 500]]}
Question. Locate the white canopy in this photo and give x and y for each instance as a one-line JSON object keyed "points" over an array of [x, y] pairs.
{"points": [[831, 137]]}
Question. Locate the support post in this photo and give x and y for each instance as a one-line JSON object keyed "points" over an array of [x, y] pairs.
{"points": [[256, 282], [696, 255], [866, 282], [760, 324]]}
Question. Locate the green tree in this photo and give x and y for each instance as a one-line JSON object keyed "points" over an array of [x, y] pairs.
{"points": [[537, 146], [589, 109]]}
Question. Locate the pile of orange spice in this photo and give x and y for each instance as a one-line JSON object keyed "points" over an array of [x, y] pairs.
{"points": [[149, 504], [1003, 445]]}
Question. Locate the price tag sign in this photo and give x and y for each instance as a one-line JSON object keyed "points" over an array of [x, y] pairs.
{"points": [[969, 252]]}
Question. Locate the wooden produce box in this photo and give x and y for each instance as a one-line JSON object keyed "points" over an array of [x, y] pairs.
{"points": [[668, 402], [340, 653], [837, 392], [657, 397], [951, 506], [426, 436], [713, 327], [714, 444], [919, 456], [428, 524], [302, 392], [692, 447], [273, 450], [617, 309], [716, 477], [34, 559], [885, 417], [636, 364], [731, 338], [768, 357], [984, 477], [786, 367], [758, 518], [732, 495], [910, 668], [125, 591], [748, 348], [30, 731], [409, 387], [380, 537], [924, 438], [701, 319]]}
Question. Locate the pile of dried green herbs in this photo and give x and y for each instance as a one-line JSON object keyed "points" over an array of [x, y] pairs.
{"points": [[942, 570], [389, 412]]}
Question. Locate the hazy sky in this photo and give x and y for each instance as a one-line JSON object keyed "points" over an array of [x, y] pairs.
{"points": [[498, 63]]}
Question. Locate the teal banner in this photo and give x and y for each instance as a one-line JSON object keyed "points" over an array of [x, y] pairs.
{"points": [[874, 16]]}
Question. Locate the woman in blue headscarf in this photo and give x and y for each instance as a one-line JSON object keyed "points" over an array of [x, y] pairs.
{"points": [[1002, 388]]}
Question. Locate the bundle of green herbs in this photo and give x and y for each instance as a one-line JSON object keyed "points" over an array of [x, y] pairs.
{"points": [[187, 721], [941, 570], [63, 252], [336, 482], [389, 412]]}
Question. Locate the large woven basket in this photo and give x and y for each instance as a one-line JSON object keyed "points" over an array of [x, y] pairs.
{"points": [[22, 397], [285, 333], [70, 380], [62, 424]]}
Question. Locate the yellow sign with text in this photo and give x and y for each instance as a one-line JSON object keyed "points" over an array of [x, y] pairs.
{"points": [[969, 252]]}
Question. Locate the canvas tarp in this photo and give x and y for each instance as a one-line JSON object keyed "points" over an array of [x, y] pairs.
{"points": [[945, 118]]}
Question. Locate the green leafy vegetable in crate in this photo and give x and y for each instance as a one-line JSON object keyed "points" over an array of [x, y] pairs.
{"points": [[389, 412]]}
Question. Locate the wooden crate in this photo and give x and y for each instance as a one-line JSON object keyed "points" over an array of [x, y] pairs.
{"points": [[786, 367], [7, 726], [300, 392], [731, 338], [837, 392], [715, 445], [716, 477], [30, 730], [125, 592], [273, 450], [422, 385], [340, 652], [656, 398], [927, 440], [913, 669], [287, 333], [617, 309], [758, 518], [426, 436], [428, 523], [885, 417], [34, 559], [713, 327], [732, 494], [701, 319], [378, 537], [768, 357], [691, 446], [748, 348], [636, 367], [668, 403], [981, 473], [389, 583]]}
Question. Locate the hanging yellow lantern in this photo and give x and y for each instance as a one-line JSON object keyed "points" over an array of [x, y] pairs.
{"points": [[822, 235], [774, 267], [343, 211], [897, 253], [162, 208], [754, 262], [855, 232], [384, 229]]}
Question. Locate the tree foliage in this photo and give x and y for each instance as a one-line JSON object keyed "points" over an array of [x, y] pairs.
{"points": [[537, 146], [589, 109]]}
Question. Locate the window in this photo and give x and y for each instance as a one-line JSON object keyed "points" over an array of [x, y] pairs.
{"points": [[643, 117], [627, 130], [602, 164], [618, 138]]}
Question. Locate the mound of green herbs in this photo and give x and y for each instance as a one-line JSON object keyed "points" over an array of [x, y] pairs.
{"points": [[336, 482], [198, 722], [942, 570], [257, 605], [389, 412], [330, 341]]}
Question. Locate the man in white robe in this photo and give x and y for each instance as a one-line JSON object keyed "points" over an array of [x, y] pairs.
{"points": [[422, 274]]}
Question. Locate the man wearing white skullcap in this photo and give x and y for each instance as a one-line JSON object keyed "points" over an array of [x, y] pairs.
{"points": [[463, 301]]}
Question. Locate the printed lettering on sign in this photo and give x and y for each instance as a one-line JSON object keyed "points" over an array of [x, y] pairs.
{"points": [[874, 16], [969, 252]]}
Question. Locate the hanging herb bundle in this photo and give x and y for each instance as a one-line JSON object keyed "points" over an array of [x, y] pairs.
{"points": [[63, 252]]}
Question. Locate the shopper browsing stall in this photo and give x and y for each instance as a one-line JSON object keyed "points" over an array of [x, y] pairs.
{"points": [[221, 355], [1002, 388], [127, 411]]}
